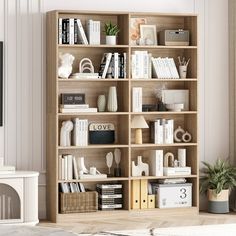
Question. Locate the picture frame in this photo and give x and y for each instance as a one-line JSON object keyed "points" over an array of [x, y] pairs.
{"points": [[148, 34], [135, 29]]}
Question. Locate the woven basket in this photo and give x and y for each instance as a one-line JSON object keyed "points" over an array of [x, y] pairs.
{"points": [[78, 202]]}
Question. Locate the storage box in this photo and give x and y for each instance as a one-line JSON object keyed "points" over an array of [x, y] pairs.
{"points": [[78, 202], [174, 195], [174, 37]]}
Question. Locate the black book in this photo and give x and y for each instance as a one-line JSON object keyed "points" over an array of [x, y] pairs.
{"points": [[76, 30], [64, 31]]}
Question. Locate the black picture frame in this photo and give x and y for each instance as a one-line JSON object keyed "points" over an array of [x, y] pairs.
{"points": [[1, 83]]}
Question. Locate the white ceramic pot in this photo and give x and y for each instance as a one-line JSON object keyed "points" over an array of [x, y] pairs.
{"points": [[110, 39], [112, 99], [183, 72]]}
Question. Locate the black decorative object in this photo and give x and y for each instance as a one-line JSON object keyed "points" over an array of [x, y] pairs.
{"points": [[101, 133], [72, 98]]}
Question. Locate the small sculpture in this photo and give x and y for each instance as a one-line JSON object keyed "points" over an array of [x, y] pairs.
{"points": [[182, 136], [141, 167], [65, 134], [169, 159], [86, 65], [117, 170], [109, 160], [65, 68], [81, 166]]}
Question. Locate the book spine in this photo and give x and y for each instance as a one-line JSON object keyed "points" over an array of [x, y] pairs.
{"points": [[60, 167], [60, 31], [72, 35], [76, 40], [116, 65], [81, 32], [67, 31], [137, 99], [64, 31]]}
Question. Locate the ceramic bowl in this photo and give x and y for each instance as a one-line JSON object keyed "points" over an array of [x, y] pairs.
{"points": [[175, 106]]}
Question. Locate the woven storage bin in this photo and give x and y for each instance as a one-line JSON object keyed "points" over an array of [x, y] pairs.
{"points": [[78, 202]]}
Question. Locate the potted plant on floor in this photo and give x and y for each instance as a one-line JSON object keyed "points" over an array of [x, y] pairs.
{"points": [[111, 31], [217, 182]]}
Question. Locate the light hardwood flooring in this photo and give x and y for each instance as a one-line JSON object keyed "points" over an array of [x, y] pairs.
{"points": [[129, 223]]}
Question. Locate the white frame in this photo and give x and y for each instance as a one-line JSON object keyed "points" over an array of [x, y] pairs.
{"points": [[144, 28]]}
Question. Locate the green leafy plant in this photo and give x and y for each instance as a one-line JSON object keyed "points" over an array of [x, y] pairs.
{"points": [[218, 176], [111, 29]]}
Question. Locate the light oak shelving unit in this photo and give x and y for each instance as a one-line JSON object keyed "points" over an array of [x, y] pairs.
{"points": [[95, 154]]}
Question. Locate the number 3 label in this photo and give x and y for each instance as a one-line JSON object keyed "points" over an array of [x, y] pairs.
{"points": [[183, 193]]}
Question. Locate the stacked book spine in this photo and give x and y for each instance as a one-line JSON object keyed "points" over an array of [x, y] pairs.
{"points": [[162, 131], [109, 196], [80, 132], [72, 187]]}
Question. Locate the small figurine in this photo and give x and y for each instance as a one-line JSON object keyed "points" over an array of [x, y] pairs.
{"points": [[65, 68]]}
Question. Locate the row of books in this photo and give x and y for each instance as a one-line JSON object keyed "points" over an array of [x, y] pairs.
{"points": [[113, 65], [80, 132], [71, 31], [72, 187], [164, 68], [141, 65], [162, 131]]}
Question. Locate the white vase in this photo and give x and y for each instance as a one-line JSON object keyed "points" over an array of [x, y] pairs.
{"points": [[111, 39], [101, 103], [112, 99]]}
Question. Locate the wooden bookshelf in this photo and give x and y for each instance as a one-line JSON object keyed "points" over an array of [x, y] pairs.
{"points": [[95, 154]]}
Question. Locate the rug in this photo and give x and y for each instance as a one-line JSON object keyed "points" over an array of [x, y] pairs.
{"points": [[202, 230], [32, 231]]}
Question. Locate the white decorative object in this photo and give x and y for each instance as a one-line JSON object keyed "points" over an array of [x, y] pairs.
{"points": [[109, 161], [20, 191], [177, 171], [177, 107], [174, 195], [65, 134], [117, 154], [171, 96], [182, 157], [155, 160], [182, 136], [169, 159], [65, 68], [112, 105], [101, 103], [111, 39], [141, 167], [86, 65], [81, 166], [92, 170], [183, 72]]}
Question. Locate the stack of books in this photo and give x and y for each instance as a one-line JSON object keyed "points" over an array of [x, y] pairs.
{"points": [[141, 65], [162, 131], [164, 68], [80, 132], [71, 31], [72, 187], [74, 102], [113, 65], [109, 196]]}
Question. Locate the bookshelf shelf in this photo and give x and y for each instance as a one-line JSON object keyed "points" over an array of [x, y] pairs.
{"points": [[94, 155]]}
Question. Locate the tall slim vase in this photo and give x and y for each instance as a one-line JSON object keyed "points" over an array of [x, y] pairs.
{"points": [[112, 105]]}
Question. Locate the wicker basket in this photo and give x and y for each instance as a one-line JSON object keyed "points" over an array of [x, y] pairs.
{"points": [[78, 202]]}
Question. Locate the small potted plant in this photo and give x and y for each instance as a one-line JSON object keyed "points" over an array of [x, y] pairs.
{"points": [[111, 31], [217, 182]]}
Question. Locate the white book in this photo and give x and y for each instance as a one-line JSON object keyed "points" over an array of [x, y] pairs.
{"points": [[75, 168], [107, 186], [110, 206], [71, 30], [133, 66], [154, 68], [158, 129], [60, 167], [75, 110], [168, 60], [96, 32], [63, 168], [168, 131], [76, 132], [89, 176], [167, 69], [137, 99], [155, 159], [145, 64], [72, 188], [108, 60], [110, 196], [82, 188], [116, 65], [160, 68], [86, 133], [74, 106], [81, 32], [149, 65], [70, 167], [60, 31], [174, 69], [77, 187]]}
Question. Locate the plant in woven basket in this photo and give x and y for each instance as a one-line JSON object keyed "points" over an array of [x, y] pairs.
{"points": [[217, 181]]}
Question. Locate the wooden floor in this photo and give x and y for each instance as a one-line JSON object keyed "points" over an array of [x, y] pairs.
{"points": [[143, 223]]}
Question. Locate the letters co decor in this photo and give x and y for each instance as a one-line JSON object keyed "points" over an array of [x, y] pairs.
{"points": [[101, 133]]}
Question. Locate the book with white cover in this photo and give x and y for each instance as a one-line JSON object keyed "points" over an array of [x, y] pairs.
{"points": [[81, 32], [60, 31], [169, 131], [116, 65], [65, 167], [88, 176], [173, 68], [159, 132], [69, 167], [74, 106], [108, 60], [93, 32], [155, 159], [75, 168], [137, 99], [75, 110], [60, 167], [71, 30]]}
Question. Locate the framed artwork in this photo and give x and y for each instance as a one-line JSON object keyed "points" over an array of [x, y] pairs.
{"points": [[135, 29], [148, 34]]}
